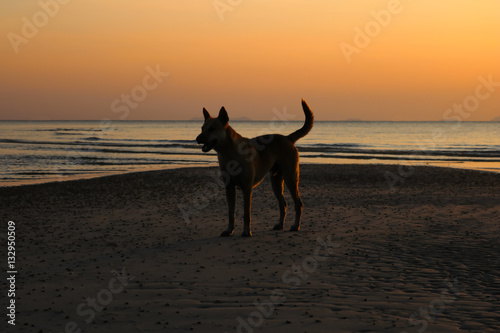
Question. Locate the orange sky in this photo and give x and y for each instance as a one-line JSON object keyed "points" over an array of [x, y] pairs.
{"points": [[423, 57]]}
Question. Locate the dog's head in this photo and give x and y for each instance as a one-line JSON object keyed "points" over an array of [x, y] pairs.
{"points": [[213, 131]]}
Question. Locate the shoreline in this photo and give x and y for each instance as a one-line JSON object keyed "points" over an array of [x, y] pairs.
{"points": [[370, 256], [211, 165]]}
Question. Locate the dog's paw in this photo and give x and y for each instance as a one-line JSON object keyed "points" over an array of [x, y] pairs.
{"points": [[278, 227], [226, 233], [246, 233], [295, 228]]}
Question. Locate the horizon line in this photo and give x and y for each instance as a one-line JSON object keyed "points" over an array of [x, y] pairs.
{"points": [[245, 120]]}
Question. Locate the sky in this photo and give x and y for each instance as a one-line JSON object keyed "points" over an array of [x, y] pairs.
{"points": [[166, 60]]}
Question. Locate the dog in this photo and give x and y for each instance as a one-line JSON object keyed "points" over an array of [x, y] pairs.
{"points": [[244, 163]]}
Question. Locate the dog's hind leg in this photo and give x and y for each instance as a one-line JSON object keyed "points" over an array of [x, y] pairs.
{"points": [[292, 182], [231, 203], [277, 184], [247, 204]]}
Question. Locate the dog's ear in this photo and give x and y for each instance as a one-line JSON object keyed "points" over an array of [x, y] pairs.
{"points": [[223, 117], [206, 114]]}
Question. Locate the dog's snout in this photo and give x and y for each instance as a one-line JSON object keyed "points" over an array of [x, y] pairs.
{"points": [[198, 139]]}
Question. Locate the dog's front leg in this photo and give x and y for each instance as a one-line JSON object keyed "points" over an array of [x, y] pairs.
{"points": [[247, 203], [231, 203]]}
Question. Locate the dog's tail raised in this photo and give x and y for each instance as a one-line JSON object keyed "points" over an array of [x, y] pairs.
{"points": [[308, 124]]}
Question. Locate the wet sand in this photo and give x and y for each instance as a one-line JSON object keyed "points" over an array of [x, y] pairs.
{"points": [[381, 249]]}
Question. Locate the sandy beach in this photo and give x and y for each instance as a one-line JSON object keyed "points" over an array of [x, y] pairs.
{"points": [[381, 249]]}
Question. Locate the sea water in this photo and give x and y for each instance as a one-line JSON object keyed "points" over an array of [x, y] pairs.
{"points": [[43, 151]]}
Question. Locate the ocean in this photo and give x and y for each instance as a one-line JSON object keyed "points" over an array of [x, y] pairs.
{"points": [[44, 151]]}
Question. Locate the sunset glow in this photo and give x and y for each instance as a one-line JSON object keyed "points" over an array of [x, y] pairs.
{"points": [[72, 59]]}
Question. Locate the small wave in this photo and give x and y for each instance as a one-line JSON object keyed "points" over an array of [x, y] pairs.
{"points": [[330, 145], [11, 141], [68, 130], [181, 141], [96, 143], [400, 158], [151, 142], [96, 149], [487, 153], [68, 133]]}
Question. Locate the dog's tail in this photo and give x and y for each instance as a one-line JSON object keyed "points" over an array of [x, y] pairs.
{"points": [[308, 124]]}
